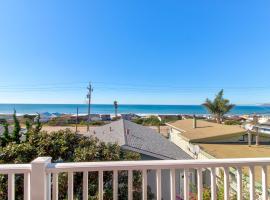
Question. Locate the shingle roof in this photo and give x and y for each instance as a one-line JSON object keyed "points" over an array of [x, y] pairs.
{"points": [[138, 138]]}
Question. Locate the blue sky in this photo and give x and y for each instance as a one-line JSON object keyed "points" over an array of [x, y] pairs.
{"points": [[145, 52]]}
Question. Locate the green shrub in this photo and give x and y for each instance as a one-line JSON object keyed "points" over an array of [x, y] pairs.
{"points": [[66, 146], [150, 121], [232, 122]]}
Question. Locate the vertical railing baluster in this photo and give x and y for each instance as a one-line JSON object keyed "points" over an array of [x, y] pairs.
{"points": [[186, 184], [172, 184], [85, 185], [239, 183], [115, 185], [144, 184], [70, 185], [130, 184], [226, 183], [100, 185], [199, 184], [49, 186], [213, 184], [158, 181], [26, 187], [11, 186], [264, 183], [251, 183], [55, 186]]}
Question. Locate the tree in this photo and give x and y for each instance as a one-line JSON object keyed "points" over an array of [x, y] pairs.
{"points": [[115, 103], [218, 107], [38, 124], [5, 138], [16, 137], [28, 126]]}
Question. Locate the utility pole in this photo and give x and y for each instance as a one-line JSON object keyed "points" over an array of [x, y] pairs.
{"points": [[89, 95]]}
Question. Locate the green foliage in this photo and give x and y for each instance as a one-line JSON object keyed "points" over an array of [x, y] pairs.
{"points": [[5, 138], [28, 126], [93, 123], [67, 146], [150, 121], [16, 136], [232, 122], [219, 106], [38, 124]]}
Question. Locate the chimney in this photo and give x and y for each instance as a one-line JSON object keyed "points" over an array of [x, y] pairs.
{"points": [[194, 121], [127, 131]]}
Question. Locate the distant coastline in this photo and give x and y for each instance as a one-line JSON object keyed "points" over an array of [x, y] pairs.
{"points": [[125, 108]]}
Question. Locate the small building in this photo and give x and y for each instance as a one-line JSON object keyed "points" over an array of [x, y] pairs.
{"points": [[129, 116], [95, 117], [263, 128], [10, 130], [46, 116], [105, 117]]}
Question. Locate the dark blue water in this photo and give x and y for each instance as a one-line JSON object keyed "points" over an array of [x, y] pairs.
{"points": [[109, 109]]}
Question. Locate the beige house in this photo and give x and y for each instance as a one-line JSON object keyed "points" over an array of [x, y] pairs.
{"points": [[207, 140]]}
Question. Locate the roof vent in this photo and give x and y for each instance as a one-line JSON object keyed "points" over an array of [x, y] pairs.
{"points": [[127, 131], [110, 129]]}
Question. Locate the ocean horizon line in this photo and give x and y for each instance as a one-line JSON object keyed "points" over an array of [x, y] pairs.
{"points": [[131, 104], [125, 108]]}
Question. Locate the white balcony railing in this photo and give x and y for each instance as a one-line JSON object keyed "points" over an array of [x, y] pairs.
{"points": [[41, 176]]}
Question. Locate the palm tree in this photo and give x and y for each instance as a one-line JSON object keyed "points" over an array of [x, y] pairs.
{"points": [[218, 107], [115, 107]]}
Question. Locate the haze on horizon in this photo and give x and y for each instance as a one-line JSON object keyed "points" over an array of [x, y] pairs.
{"points": [[136, 52]]}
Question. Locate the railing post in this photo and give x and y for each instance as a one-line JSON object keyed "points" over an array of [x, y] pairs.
{"points": [[40, 185]]}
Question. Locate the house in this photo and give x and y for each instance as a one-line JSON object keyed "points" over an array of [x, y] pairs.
{"points": [[148, 143], [105, 117], [10, 130], [46, 116], [208, 140], [263, 128], [129, 116]]}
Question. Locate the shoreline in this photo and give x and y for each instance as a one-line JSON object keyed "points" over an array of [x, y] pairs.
{"points": [[139, 114], [142, 110]]}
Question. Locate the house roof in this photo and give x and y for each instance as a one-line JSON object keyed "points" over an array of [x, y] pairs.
{"points": [[138, 138], [10, 129], [239, 151], [205, 130], [2, 129]]}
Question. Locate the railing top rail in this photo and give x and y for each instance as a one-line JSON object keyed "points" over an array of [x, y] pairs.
{"points": [[15, 168], [156, 164]]}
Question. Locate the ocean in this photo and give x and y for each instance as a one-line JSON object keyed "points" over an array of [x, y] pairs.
{"points": [[138, 109]]}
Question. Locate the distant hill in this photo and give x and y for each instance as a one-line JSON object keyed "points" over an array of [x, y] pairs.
{"points": [[265, 104]]}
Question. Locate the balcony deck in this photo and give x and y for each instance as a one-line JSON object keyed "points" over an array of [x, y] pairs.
{"points": [[41, 177]]}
